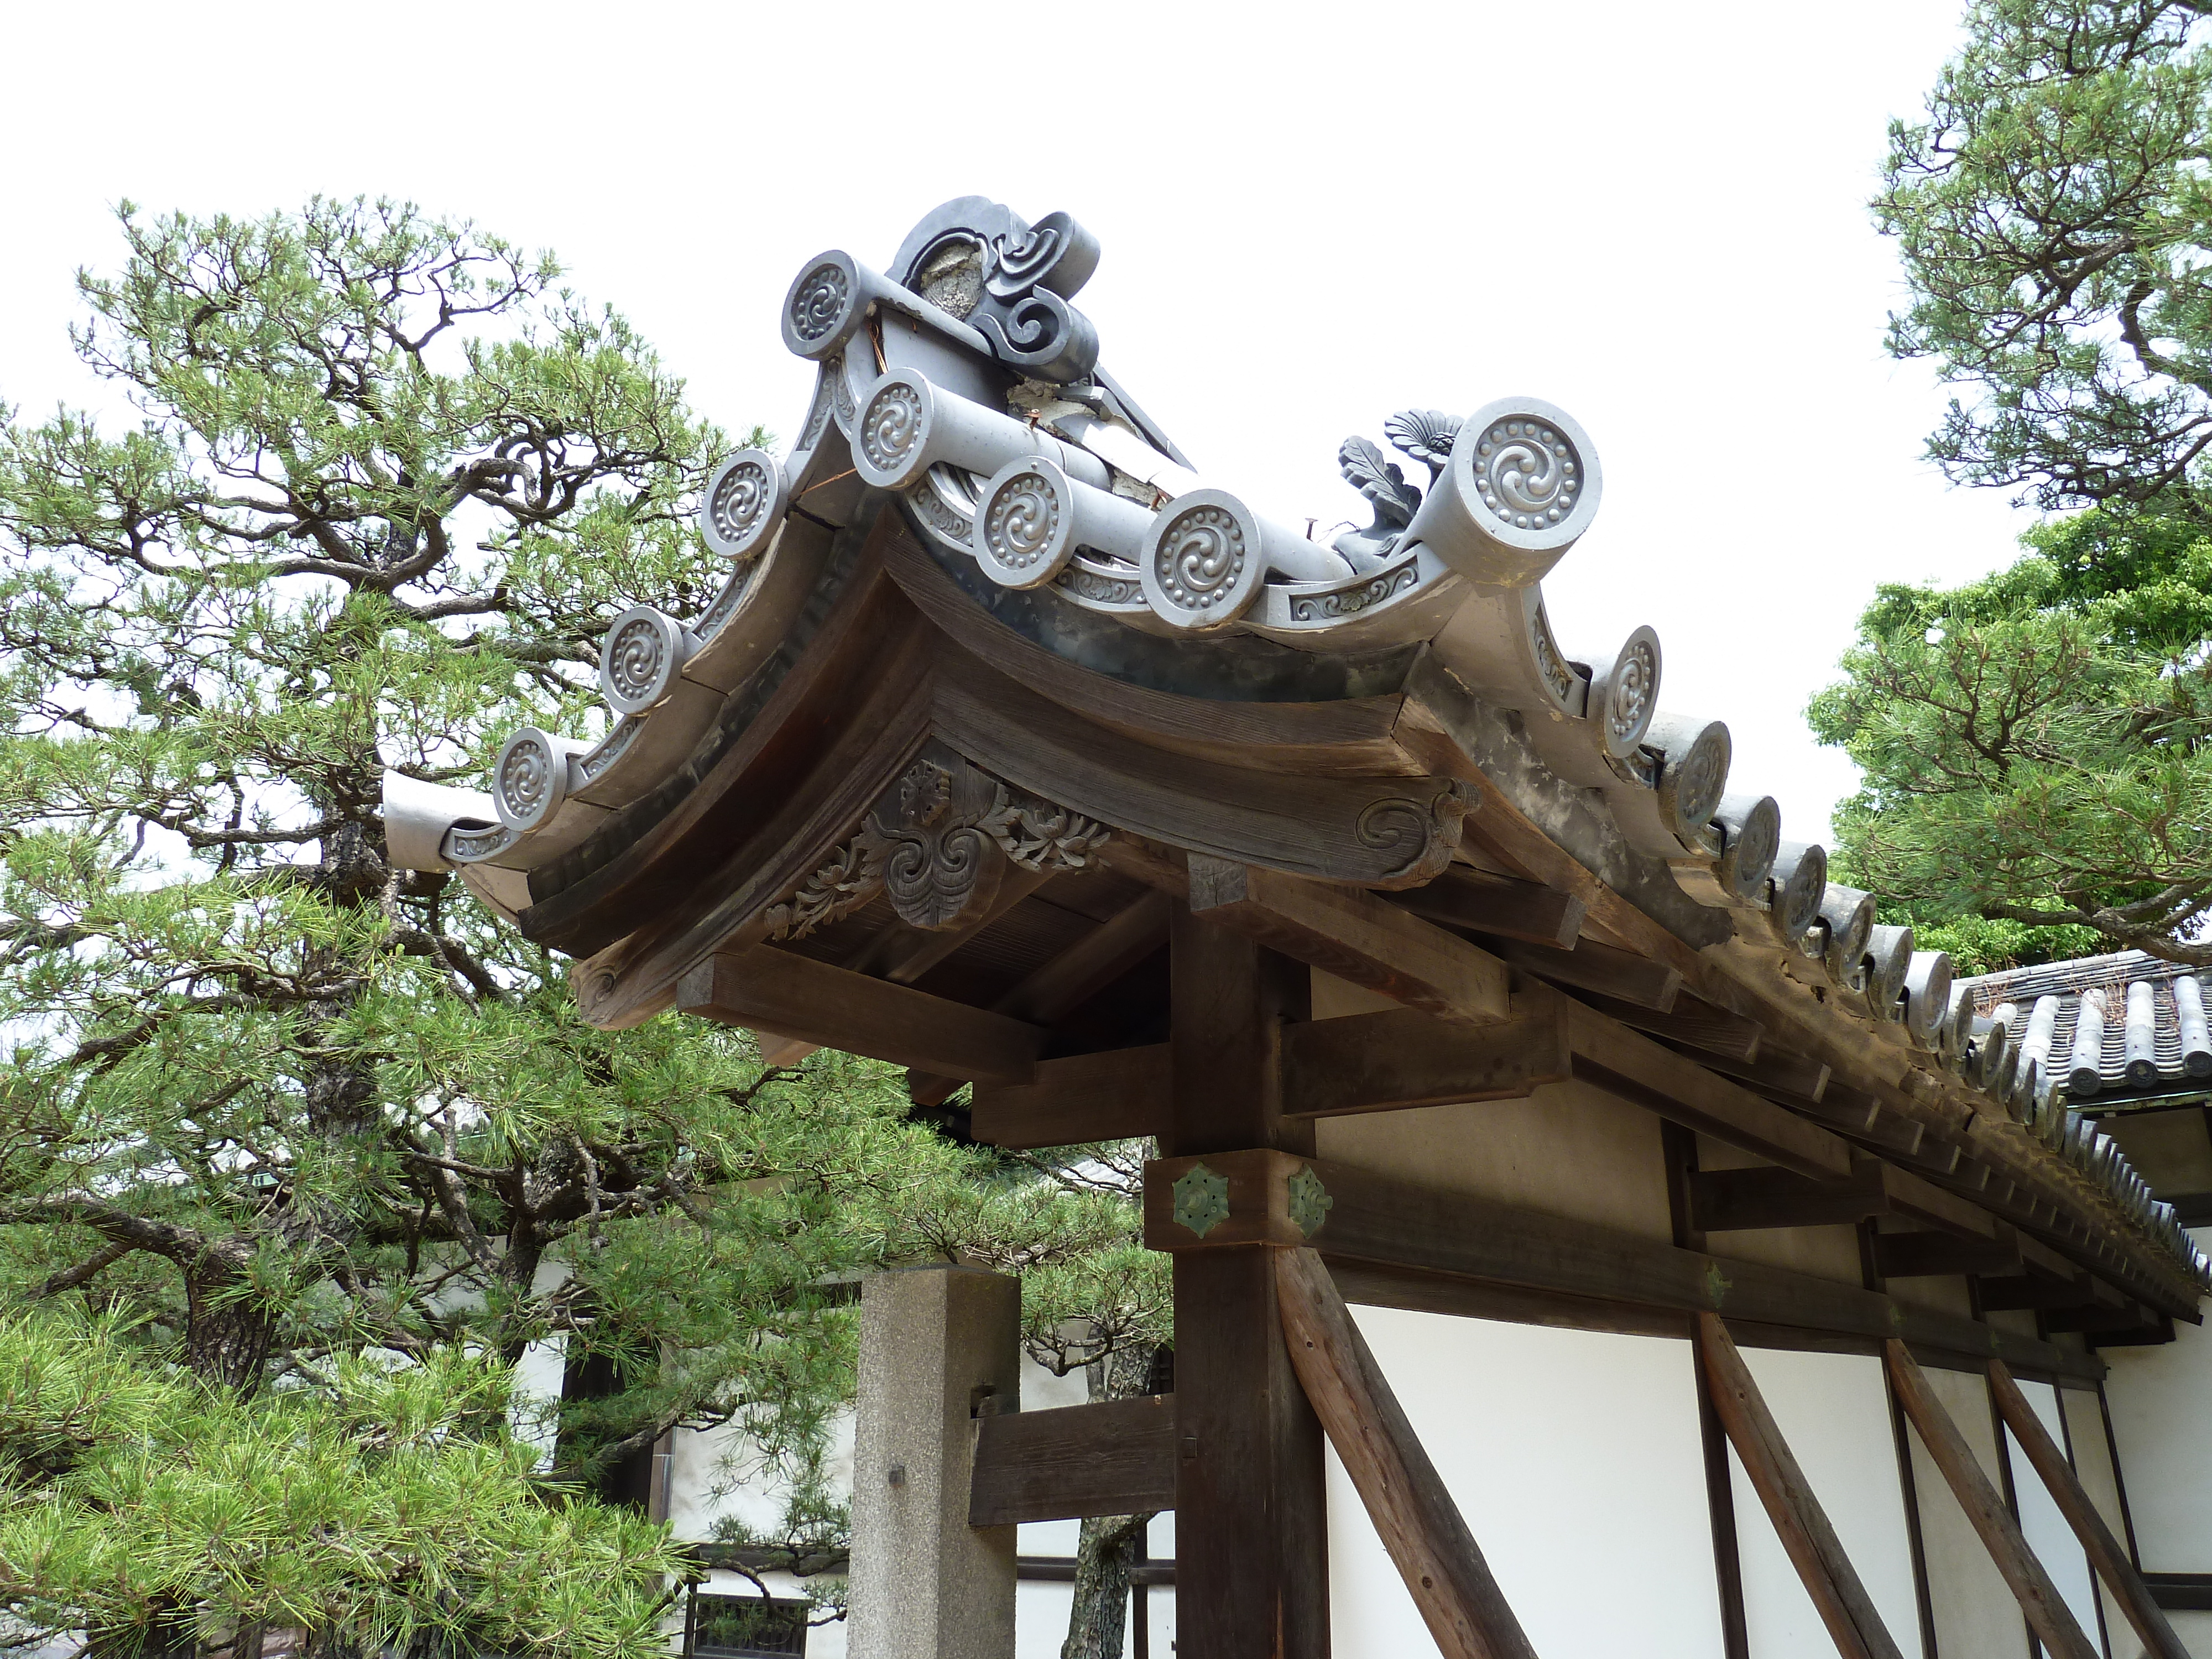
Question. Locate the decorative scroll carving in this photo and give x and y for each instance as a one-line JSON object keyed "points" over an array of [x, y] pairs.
{"points": [[831, 394], [891, 425], [1558, 678], [930, 506], [1527, 473], [1199, 556], [1360, 596], [841, 389], [940, 861], [937, 842], [1023, 310], [1428, 831], [1382, 482], [473, 846], [1083, 581], [726, 602], [617, 743], [819, 303]]}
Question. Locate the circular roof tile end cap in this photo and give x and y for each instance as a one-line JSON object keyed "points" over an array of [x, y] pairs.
{"points": [[1024, 523], [743, 502], [825, 304], [644, 652], [1521, 486], [1204, 560], [530, 780]]}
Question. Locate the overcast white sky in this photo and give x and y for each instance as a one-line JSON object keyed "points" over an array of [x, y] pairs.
{"points": [[1653, 215]]}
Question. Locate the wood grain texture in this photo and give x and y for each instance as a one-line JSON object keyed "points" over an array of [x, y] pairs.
{"points": [[1355, 936], [2048, 1615], [1813, 1549], [1401, 1057], [1404, 1232], [1501, 906], [1117, 1095], [1413, 1514], [2107, 1553], [1111, 1457], [1690, 1024], [1604, 969], [1631, 1065], [817, 1003]]}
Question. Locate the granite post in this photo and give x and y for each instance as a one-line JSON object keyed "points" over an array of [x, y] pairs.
{"points": [[940, 1346]]}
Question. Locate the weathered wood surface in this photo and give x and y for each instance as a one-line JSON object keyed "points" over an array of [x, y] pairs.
{"points": [[835, 1008], [1632, 1066], [1602, 969], [1401, 1057], [2107, 1553], [1111, 1457], [2048, 1615], [1692, 1023], [1727, 1200], [1413, 1514], [1400, 1231], [1356, 936], [1813, 1549], [1500, 905], [1120, 1094], [1251, 1516], [1922, 1256]]}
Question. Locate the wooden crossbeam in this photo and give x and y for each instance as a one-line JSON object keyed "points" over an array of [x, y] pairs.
{"points": [[1691, 1023], [1631, 1065], [1811, 1542], [1120, 1094], [2107, 1553], [1926, 1255], [1787, 1080], [1351, 933], [796, 997], [2023, 1291], [1726, 1200], [1499, 905], [1418, 1246], [2048, 1615], [1427, 1539], [1110, 1457], [1401, 1057], [1603, 969]]}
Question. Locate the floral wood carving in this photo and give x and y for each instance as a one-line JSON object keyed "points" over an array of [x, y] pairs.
{"points": [[939, 842]]}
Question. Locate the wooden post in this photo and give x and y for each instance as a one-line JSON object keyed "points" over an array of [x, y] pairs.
{"points": [[1818, 1554], [1418, 1524], [2048, 1615], [1251, 1525], [2106, 1553]]}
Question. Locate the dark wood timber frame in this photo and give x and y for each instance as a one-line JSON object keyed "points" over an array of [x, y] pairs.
{"points": [[1100, 906]]}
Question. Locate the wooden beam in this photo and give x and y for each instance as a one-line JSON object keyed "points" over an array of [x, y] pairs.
{"points": [[1120, 1094], [1092, 964], [1691, 1023], [797, 997], [2107, 1553], [1111, 1457], [1499, 905], [1356, 936], [1401, 1057], [1734, 1200], [1785, 1079], [1396, 1230], [1413, 1513], [2048, 1615], [1811, 1542], [907, 953], [1251, 1508], [2025, 1292], [1931, 1255], [1603, 969], [1633, 1066]]}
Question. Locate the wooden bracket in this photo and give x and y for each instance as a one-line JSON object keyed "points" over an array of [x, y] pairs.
{"points": [[1728, 1200], [1350, 932]]}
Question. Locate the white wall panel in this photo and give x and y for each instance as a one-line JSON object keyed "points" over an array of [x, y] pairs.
{"points": [[2162, 1420], [1976, 1616], [1575, 1457], [1833, 1409], [2093, 1462], [2047, 1531]]}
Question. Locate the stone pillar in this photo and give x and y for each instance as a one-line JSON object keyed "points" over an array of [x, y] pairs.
{"points": [[936, 1343]]}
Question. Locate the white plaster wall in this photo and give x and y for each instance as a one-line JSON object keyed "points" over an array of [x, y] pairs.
{"points": [[2093, 1462], [1976, 1616], [2161, 1404], [1833, 1409], [1575, 1457], [2047, 1531]]}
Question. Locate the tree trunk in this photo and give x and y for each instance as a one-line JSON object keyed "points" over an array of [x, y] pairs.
{"points": [[1107, 1547], [1104, 1552], [227, 1334]]}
